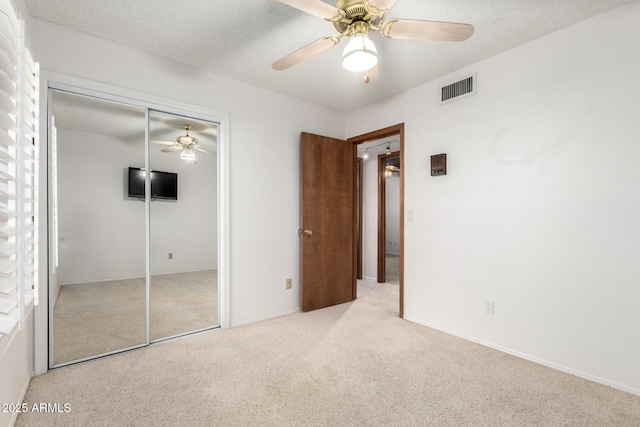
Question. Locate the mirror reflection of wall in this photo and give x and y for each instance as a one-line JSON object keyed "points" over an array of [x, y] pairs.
{"points": [[98, 232]]}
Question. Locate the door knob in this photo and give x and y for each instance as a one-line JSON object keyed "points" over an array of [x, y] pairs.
{"points": [[306, 232]]}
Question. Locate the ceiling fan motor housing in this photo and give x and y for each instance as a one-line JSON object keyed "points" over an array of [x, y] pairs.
{"points": [[185, 140], [359, 17]]}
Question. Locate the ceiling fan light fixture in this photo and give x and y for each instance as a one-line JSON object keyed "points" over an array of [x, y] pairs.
{"points": [[360, 54], [188, 154]]}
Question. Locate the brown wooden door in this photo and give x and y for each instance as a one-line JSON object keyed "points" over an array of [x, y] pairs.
{"points": [[326, 222]]}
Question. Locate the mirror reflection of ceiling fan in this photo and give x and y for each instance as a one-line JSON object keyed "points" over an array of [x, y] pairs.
{"points": [[184, 143], [357, 19], [390, 170]]}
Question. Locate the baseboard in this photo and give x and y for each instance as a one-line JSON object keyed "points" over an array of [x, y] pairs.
{"points": [[530, 358], [369, 278], [259, 319], [158, 273]]}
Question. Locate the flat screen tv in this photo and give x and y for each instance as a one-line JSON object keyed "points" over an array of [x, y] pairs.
{"points": [[164, 185]]}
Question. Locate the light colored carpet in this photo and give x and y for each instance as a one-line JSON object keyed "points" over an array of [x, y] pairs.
{"points": [[96, 318], [355, 364]]}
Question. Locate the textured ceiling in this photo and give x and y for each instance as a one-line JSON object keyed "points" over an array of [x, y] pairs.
{"points": [[242, 38]]}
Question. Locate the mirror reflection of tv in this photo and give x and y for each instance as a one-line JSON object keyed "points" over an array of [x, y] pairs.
{"points": [[164, 185]]}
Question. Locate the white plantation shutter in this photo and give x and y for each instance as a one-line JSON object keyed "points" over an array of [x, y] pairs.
{"points": [[18, 173], [9, 64], [27, 173]]}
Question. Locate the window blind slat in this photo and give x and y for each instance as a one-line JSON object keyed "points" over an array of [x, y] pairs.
{"points": [[6, 103], [7, 230], [6, 140], [6, 157], [7, 306], [6, 176], [6, 121], [7, 248], [7, 268], [7, 84], [7, 44], [7, 287], [6, 62]]}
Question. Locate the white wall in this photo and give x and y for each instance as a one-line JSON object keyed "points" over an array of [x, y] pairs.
{"points": [[539, 210], [264, 153]]}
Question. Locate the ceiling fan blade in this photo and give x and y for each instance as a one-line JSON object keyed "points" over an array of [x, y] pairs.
{"points": [[316, 8], [382, 4], [408, 29], [306, 52], [172, 148], [160, 142], [195, 147]]}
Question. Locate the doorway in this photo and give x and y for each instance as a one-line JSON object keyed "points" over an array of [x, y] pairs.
{"points": [[389, 144]]}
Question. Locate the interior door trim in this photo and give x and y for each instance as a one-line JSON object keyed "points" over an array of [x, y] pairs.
{"points": [[359, 205]]}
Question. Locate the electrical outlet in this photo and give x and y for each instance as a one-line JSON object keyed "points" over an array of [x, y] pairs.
{"points": [[488, 306], [170, 256], [288, 284]]}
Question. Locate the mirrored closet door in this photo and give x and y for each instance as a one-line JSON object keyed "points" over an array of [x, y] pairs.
{"points": [[183, 225], [97, 241], [133, 226]]}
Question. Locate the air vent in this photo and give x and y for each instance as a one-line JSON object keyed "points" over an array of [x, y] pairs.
{"points": [[460, 89]]}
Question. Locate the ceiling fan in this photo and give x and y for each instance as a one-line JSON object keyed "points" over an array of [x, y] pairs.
{"points": [[185, 143], [389, 170], [357, 19]]}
